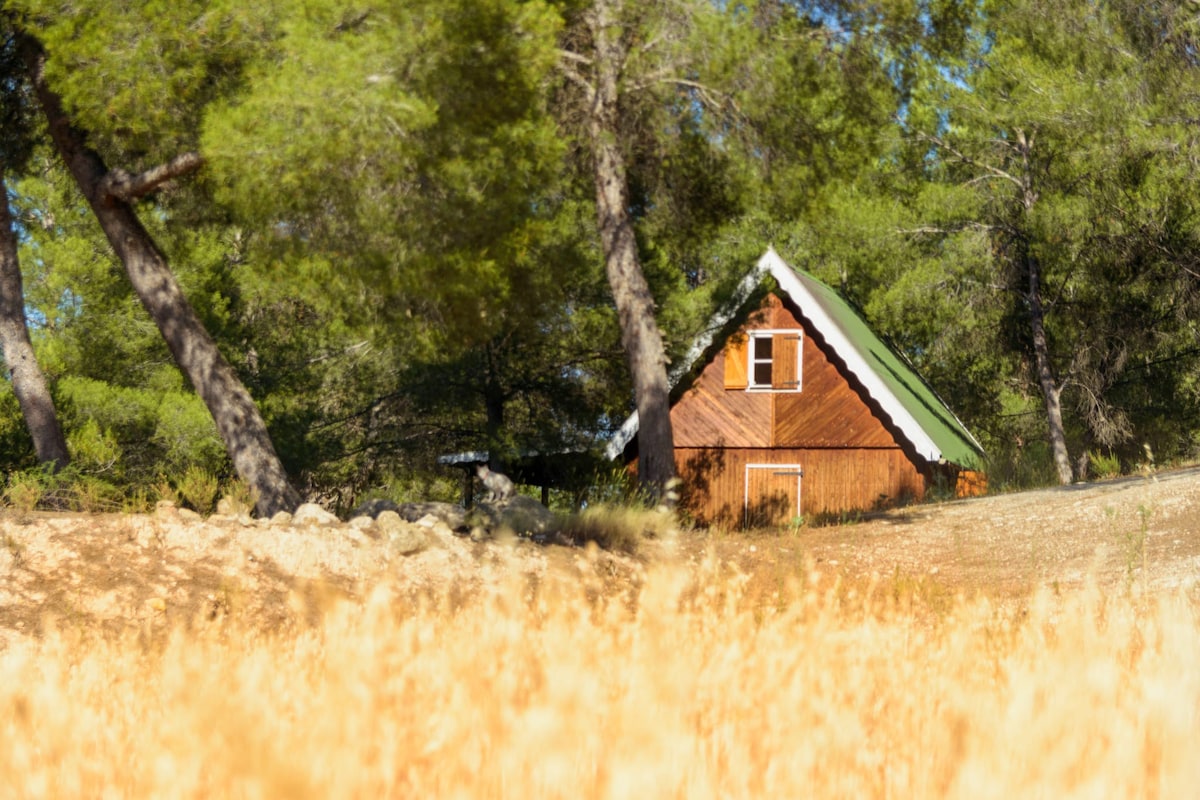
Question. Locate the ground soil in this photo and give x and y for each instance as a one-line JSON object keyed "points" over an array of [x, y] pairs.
{"points": [[145, 573], [1134, 533]]}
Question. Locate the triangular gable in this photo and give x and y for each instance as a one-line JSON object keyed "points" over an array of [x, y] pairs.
{"points": [[914, 408]]}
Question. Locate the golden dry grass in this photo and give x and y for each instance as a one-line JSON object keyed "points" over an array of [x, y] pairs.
{"points": [[688, 688]]}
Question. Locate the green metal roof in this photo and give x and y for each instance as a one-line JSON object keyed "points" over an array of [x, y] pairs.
{"points": [[913, 406]]}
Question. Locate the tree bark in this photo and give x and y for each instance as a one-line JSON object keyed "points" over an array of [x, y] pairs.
{"points": [[1051, 391], [640, 335], [238, 422], [29, 383]]}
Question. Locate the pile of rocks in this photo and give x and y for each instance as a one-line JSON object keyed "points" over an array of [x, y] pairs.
{"points": [[406, 527]]}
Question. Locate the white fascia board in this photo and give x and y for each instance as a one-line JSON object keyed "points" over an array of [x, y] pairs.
{"points": [[790, 283], [624, 435]]}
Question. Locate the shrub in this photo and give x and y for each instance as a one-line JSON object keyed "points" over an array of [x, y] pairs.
{"points": [[617, 527], [198, 489], [91, 495], [1104, 465], [27, 488], [239, 496]]}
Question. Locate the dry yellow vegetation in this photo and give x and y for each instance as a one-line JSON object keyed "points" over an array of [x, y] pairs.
{"points": [[686, 686]]}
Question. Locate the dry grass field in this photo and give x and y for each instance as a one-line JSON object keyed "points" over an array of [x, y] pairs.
{"points": [[166, 658]]}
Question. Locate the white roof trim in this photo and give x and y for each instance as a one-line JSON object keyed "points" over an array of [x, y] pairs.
{"points": [[790, 282]]}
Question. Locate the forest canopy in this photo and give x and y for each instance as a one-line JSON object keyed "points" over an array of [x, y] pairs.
{"points": [[309, 247]]}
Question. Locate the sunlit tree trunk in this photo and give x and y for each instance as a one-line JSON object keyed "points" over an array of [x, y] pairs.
{"points": [[640, 335], [1047, 380], [238, 422], [29, 384], [1051, 391]]}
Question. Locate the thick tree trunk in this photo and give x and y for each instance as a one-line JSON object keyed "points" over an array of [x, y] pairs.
{"points": [[240, 425], [640, 336], [1051, 391], [29, 384]]}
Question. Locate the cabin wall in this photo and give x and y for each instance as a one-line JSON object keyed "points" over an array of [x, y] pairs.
{"points": [[850, 458], [834, 480]]}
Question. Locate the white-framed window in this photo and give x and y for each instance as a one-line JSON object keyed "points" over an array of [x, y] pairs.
{"points": [[774, 360]]}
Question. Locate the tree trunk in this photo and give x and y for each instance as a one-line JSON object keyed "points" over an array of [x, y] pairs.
{"points": [[1051, 391], [240, 425], [640, 336], [29, 384], [495, 431]]}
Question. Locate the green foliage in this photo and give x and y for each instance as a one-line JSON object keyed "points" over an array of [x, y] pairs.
{"points": [[198, 487], [394, 239], [238, 497], [1104, 465], [92, 449], [616, 527], [132, 435], [72, 489], [91, 495], [26, 488]]}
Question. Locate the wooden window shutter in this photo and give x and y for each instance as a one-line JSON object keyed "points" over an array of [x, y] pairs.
{"points": [[786, 375], [736, 354]]}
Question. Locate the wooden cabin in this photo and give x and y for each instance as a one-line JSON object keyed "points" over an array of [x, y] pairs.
{"points": [[794, 409]]}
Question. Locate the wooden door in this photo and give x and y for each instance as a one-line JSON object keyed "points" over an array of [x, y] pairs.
{"points": [[772, 494]]}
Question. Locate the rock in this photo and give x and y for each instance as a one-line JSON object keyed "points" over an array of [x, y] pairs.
{"points": [[389, 522], [361, 523], [165, 508], [313, 514], [527, 517], [281, 518], [373, 508], [407, 540], [452, 515], [402, 537]]}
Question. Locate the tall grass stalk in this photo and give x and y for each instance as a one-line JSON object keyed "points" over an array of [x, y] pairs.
{"points": [[684, 689]]}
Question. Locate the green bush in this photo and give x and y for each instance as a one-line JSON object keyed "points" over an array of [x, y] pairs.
{"points": [[93, 450], [133, 435], [239, 496], [198, 489], [1102, 465], [27, 488], [618, 528], [91, 495]]}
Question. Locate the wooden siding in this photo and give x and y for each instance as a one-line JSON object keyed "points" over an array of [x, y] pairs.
{"points": [[850, 459], [708, 414], [826, 412], [835, 480]]}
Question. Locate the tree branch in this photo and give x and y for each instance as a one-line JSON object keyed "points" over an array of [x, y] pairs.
{"points": [[933, 229], [121, 185], [566, 57], [571, 55], [939, 142]]}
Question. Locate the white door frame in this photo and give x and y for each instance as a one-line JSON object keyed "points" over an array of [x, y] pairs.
{"points": [[796, 469]]}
